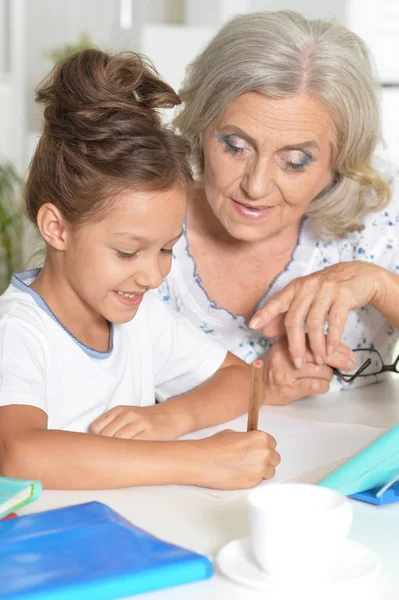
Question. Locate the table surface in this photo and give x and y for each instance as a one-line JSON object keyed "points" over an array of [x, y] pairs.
{"points": [[205, 523]]}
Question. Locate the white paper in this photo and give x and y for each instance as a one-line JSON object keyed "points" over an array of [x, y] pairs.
{"points": [[303, 445]]}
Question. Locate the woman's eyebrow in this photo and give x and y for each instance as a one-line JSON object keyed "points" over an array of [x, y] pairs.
{"points": [[302, 145], [234, 130]]}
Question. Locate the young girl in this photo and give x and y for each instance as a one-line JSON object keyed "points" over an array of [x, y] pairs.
{"points": [[83, 347]]}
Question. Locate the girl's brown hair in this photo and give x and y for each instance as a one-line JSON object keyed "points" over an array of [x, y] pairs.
{"points": [[103, 134]]}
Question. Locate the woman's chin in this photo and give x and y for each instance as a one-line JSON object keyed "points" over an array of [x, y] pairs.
{"points": [[247, 232]]}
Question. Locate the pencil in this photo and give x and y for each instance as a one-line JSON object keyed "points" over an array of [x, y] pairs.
{"points": [[255, 395]]}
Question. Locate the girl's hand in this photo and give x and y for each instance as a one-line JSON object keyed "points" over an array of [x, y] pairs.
{"points": [[310, 301], [233, 460], [139, 422], [284, 383]]}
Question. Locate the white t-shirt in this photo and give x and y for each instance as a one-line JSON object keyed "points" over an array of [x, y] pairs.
{"points": [[42, 364], [378, 243]]}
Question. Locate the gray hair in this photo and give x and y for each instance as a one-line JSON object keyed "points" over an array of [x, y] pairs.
{"points": [[282, 54]]}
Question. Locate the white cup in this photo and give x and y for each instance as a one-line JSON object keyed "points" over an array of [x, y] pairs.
{"points": [[297, 529]]}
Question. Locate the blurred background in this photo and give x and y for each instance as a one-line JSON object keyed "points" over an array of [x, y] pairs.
{"points": [[34, 34]]}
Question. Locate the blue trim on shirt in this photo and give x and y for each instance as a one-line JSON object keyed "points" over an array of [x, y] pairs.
{"points": [[18, 281], [212, 303]]}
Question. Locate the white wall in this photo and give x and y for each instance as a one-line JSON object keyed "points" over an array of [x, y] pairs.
{"points": [[157, 29], [54, 23], [4, 112], [215, 13], [3, 37]]}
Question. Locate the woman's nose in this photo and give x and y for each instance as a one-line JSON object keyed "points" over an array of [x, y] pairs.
{"points": [[258, 182]]}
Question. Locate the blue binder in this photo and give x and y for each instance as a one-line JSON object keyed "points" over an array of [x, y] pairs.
{"points": [[88, 551]]}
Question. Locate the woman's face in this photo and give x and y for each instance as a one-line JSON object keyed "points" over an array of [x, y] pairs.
{"points": [[265, 160]]}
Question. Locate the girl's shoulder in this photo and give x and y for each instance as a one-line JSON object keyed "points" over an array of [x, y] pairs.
{"points": [[22, 327]]}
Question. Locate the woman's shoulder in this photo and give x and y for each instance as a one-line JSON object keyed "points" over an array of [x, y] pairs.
{"points": [[378, 241], [385, 220]]}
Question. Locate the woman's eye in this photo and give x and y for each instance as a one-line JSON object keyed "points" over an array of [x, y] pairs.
{"points": [[166, 250], [297, 161], [126, 255], [233, 144]]}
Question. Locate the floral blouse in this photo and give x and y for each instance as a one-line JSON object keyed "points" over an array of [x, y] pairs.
{"points": [[378, 243]]}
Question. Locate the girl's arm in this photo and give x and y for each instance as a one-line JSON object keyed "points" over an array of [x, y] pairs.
{"points": [[222, 397], [66, 460]]}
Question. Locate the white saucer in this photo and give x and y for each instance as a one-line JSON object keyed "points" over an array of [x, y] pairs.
{"points": [[357, 567]]}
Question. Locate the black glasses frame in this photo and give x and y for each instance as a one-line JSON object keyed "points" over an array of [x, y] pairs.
{"points": [[393, 368]]}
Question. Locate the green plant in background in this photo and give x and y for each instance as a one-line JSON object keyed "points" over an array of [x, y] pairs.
{"points": [[83, 42], [10, 224]]}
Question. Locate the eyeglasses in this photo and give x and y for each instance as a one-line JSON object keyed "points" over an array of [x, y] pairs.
{"points": [[369, 362]]}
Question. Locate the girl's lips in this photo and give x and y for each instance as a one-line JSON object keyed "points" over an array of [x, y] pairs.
{"points": [[126, 301], [254, 214]]}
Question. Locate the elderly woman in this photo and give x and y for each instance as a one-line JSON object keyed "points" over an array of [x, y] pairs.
{"points": [[291, 218]]}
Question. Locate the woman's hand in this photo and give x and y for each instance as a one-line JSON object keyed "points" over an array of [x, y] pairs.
{"points": [[232, 460], [284, 383], [327, 295], [139, 422]]}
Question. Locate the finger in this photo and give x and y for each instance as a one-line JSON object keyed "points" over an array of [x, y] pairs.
{"points": [[343, 361], [130, 431], [316, 321], [98, 425], [341, 348], [337, 318], [275, 328], [312, 387], [275, 459], [344, 349], [112, 428], [312, 371], [276, 306], [295, 327], [262, 438], [272, 443], [269, 472]]}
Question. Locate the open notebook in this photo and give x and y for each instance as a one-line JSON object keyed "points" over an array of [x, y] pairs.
{"points": [[303, 445]]}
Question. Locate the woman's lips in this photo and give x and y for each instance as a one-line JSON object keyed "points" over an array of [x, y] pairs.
{"points": [[248, 212]]}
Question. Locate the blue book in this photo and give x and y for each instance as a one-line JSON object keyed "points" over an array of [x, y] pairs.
{"points": [[15, 493], [88, 551]]}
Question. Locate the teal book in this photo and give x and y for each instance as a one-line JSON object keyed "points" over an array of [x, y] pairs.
{"points": [[370, 469], [15, 493], [88, 552]]}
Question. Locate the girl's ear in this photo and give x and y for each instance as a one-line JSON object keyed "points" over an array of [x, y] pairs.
{"points": [[52, 226]]}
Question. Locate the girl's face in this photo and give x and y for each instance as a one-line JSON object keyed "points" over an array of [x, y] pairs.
{"points": [[112, 263], [265, 160]]}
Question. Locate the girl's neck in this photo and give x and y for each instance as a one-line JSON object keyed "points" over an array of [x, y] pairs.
{"points": [[90, 328]]}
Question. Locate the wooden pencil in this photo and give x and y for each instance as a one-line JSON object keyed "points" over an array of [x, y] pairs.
{"points": [[255, 395]]}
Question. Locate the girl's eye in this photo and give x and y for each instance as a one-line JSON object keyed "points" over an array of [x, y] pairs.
{"points": [[166, 251], [298, 161], [233, 144], [126, 255]]}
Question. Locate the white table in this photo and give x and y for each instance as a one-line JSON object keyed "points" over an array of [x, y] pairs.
{"points": [[205, 523]]}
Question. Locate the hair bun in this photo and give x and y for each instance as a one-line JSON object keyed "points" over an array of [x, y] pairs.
{"points": [[92, 96]]}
